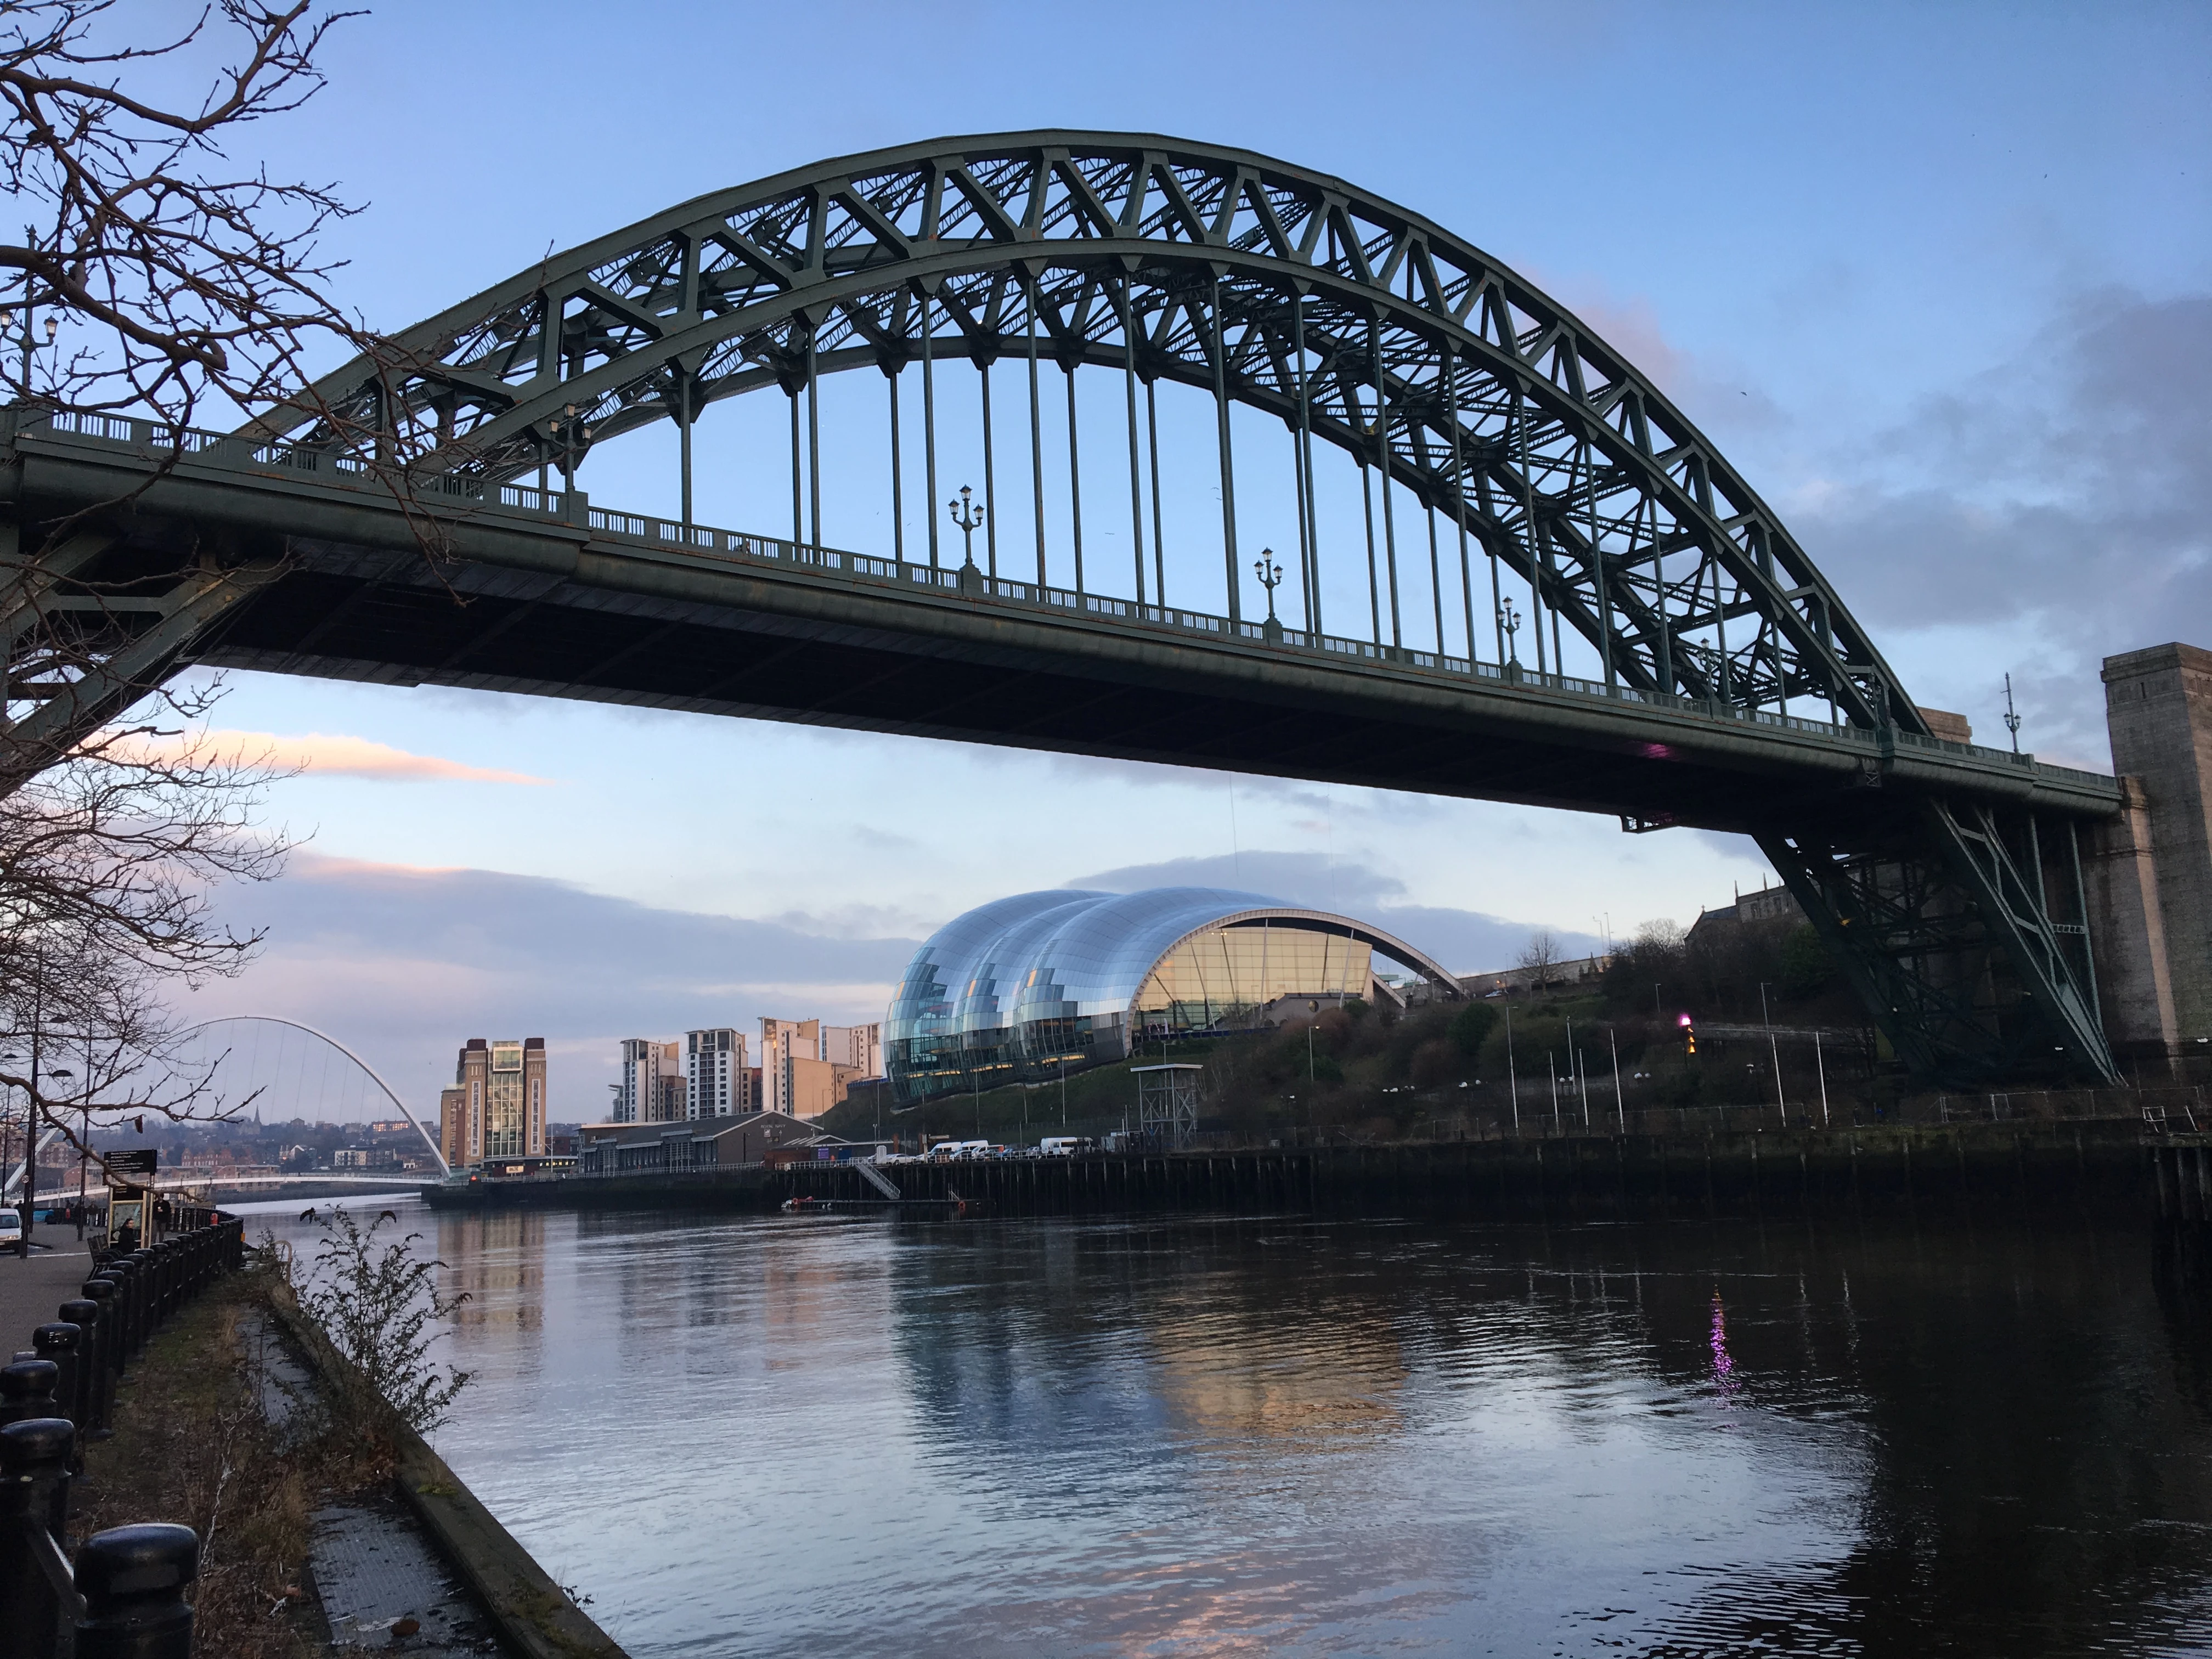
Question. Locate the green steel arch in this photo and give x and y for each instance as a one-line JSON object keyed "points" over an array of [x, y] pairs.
{"points": [[1356, 321]]}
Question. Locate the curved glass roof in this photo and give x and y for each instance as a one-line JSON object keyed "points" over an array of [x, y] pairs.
{"points": [[1069, 954], [937, 982]]}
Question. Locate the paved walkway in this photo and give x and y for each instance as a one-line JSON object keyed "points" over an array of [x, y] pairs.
{"points": [[31, 1291]]}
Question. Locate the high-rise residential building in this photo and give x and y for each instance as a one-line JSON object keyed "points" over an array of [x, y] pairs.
{"points": [[651, 1085], [859, 1049], [785, 1043], [717, 1082], [496, 1107], [806, 1067]]}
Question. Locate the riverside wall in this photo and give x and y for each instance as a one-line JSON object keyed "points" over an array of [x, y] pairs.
{"points": [[2025, 1168]]}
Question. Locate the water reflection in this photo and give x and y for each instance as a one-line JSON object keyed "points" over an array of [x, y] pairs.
{"points": [[763, 1437]]}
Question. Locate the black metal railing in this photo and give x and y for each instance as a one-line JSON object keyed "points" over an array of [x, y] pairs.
{"points": [[125, 1598]]}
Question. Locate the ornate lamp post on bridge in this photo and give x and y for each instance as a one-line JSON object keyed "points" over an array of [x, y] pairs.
{"points": [[1510, 623], [1271, 578], [968, 519]]}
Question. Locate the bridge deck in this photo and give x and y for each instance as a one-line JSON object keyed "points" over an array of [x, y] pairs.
{"points": [[549, 595]]}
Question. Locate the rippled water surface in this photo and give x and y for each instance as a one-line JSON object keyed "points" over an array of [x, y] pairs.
{"points": [[749, 1436]]}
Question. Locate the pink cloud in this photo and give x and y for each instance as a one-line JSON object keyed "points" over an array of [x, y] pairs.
{"points": [[340, 756]]}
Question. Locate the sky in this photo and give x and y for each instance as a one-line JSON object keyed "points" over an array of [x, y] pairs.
{"points": [[1936, 278]]}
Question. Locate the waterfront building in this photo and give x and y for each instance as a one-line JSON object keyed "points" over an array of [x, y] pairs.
{"points": [[716, 1080], [1022, 986], [496, 1107], [649, 1087], [654, 1148]]}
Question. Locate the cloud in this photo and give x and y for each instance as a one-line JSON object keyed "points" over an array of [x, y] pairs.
{"points": [[2044, 514], [328, 753], [404, 965], [1462, 940]]}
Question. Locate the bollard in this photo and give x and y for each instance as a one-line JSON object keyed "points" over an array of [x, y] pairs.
{"points": [[27, 1390], [138, 1286], [120, 1273], [59, 1343], [133, 1580], [84, 1313], [35, 1594], [99, 1291]]}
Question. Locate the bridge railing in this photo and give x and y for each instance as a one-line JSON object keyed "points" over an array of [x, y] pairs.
{"points": [[160, 441]]}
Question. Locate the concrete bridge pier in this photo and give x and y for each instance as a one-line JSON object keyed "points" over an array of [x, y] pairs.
{"points": [[2149, 871]]}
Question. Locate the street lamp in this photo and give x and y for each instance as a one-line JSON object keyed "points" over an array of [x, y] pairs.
{"points": [[1271, 578], [1510, 623], [968, 518]]}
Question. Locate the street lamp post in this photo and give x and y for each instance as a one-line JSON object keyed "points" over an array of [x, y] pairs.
{"points": [[1271, 577], [968, 519], [1774, 1055], [1510, 621]]}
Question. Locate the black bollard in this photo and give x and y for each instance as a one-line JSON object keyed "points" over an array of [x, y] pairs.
{"points": [[133, 1580], [119, 1273], [84, 1313], [59, 1343], [34, 1457], [100, 1291], [27, 1390]]}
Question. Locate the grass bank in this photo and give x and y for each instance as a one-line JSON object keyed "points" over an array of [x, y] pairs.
{"points": [[193, 1444]]}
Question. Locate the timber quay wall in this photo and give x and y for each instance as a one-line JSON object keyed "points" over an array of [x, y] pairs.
{"points": [[2108, 1164]]}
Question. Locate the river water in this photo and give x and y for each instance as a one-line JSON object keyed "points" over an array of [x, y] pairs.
{"points": [[1235, 1435]]}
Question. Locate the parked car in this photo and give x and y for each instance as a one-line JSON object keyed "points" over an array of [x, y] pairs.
{"points": [[11, 1227]]}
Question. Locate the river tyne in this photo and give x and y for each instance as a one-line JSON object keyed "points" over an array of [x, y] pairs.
{"points": [[757, 1436]]}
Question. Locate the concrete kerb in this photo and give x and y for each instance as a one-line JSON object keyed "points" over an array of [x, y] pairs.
{"points": [[532, 1611]]}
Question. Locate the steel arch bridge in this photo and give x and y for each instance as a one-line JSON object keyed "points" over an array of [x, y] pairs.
{"points": [[1724, 683]]}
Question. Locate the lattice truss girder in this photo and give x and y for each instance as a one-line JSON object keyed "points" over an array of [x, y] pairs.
{"points": [[1289, 291], [1948, 936]]}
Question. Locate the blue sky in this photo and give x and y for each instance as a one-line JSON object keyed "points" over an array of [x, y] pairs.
{"points": [[1938, 278]]}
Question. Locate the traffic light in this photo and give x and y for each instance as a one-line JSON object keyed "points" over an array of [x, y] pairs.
{"points": [[1689, 1035]]}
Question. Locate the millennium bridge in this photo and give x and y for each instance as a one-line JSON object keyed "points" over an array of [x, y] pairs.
{"points": [[1564, 595]]}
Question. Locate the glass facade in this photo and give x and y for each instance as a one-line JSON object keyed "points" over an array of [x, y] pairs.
{"points": [[1225, 977], [1022, 986], [505, 1124]]}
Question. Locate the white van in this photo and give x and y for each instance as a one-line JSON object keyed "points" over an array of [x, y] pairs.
{"points": [[11, 1227], [969, 1151], [1066, 1146]]}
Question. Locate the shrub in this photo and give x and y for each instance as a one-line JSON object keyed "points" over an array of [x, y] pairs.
{"points": [[1806, 967], [379, 1308], [1470, 1027]]}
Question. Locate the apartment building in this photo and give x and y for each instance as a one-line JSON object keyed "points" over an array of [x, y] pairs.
{"points": [[650, 1088], [717, 1081], [806, 1067]]}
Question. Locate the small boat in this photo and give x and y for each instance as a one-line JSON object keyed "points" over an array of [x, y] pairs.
{"points": [[805, 1205]]}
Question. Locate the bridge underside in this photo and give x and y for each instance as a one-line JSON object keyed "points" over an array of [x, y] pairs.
{"points": [[348, 613]]}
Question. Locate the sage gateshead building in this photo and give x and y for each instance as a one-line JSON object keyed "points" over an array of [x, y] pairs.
{"points": [[1022, 987]]}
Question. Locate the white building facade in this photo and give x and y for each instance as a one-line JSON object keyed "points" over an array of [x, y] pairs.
{"points": [[717, 1080]]}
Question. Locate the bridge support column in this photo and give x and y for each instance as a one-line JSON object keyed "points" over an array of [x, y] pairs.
{"points": [[2150, 872]]}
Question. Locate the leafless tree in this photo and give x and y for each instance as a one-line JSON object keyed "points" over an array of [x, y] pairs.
{"points": [[158, 276], [1541, 955], [162, 278]]}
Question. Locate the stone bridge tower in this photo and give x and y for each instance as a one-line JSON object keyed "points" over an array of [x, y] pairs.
{"points": [[2150, 872]]}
